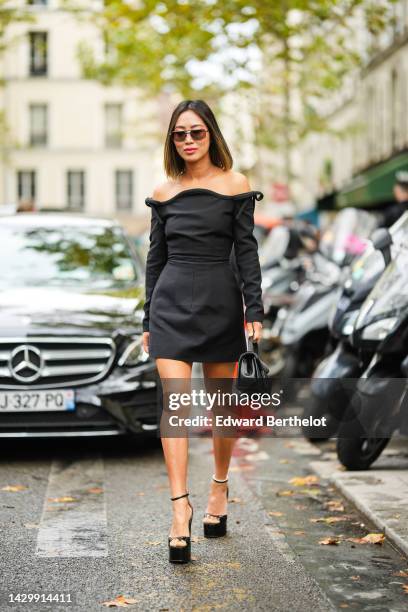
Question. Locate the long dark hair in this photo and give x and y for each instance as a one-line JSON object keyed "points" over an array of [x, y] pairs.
{"points": [[220, 155]]}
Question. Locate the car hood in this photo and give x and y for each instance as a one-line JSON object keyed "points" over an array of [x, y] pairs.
{"points": [[60, 311]]}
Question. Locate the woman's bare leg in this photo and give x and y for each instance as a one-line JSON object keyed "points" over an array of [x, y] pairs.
{"points": [[223, 446], [176, 452]]}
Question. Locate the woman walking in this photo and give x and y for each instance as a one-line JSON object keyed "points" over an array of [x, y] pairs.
{"points": [[194, 308]]}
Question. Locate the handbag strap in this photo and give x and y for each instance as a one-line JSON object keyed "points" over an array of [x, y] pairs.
{"points": [[253, 346]]}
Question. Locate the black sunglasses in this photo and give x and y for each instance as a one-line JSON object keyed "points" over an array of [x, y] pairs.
{"points": [[197, 134]]}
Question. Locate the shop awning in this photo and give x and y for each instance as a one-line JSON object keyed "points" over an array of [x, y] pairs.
{"points": [[374, 186], [327, 201]]}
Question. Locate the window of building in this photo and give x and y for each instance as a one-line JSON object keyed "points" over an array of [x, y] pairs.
{"points": [[38, 125], [37, 2], [113, 125], [26, 185], [38, 53], [124, 189], [76, 189]]}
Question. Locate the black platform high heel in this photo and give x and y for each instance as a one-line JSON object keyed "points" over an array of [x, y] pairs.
{"points": [[181, 554], [219, 529]]}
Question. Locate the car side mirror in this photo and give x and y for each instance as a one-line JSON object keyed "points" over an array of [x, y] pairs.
{"points": [[382, 241]]}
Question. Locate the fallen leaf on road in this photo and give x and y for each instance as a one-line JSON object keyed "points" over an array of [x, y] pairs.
{"points": [[285, 493], [370, 538], [235, 500], [300, 507], [289, 445], [405, 587], [95, 490], [330, 541], [152, 543], [31, 525], [328, 519], [141, 493], [120, 602], [65, 498], [285, 461], [301, 481], [14, 488], [334, 506], [298, 533], [401, 573], [311, 492], [374, 538], [276, 514], [355, 577]]}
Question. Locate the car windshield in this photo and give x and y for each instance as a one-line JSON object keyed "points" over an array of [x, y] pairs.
{"points": [[92, 257]]}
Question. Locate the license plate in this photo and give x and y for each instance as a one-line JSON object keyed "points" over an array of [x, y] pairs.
{"points": [[37, 401]]}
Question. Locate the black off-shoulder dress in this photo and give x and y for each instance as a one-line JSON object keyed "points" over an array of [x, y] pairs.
{"points": [[194, 307]]}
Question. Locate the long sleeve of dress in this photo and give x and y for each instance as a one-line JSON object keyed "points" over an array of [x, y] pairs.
{"points": [[247, 259], [155, 260]]}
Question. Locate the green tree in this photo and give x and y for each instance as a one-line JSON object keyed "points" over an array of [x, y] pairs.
{"points": [[290, 54]]}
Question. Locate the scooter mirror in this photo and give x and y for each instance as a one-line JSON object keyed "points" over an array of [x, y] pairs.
{"points": [[382, 241]]}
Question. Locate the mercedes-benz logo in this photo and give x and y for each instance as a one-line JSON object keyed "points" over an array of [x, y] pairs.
{"points": [[26, 363]]}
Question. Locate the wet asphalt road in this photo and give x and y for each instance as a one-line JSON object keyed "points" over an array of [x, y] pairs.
{"points": [[92, 523]]}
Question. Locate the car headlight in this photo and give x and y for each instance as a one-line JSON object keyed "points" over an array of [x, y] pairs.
{"points": [[133, 354], [380, 329]]}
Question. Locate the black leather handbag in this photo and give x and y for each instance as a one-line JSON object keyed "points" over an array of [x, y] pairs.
{"points": [[252, 374]]}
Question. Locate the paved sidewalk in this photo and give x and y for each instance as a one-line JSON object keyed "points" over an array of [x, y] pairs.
{"points": [[381, 493]]}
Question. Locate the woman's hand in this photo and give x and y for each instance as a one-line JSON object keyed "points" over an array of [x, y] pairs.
{"points": [[145, 341], [254, 330]]}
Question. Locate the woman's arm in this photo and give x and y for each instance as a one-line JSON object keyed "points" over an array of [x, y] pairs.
{"points": [[246, 256], [155, 261]]}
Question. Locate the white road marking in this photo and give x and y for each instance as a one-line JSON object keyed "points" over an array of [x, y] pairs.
{"points": [[76, 528]]}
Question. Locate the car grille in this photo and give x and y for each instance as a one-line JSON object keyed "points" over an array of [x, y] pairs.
{"points": [[44, 362]]}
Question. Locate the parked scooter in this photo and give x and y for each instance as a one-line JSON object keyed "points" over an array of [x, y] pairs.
{"points": [[379, 405], [334, 380], [283, 259], [305, 330]]}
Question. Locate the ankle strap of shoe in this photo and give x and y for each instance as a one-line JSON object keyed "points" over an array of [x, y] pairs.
{"points": [[179, 497], [220, 481]]}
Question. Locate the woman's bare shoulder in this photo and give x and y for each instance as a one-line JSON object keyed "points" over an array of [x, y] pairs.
{"points": [[238, 182], [165, 191]]}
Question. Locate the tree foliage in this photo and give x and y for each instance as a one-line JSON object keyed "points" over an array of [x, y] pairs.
{"points": [[294, 51]]}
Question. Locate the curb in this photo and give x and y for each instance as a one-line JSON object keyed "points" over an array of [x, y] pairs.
{"points": [[390, 533]]}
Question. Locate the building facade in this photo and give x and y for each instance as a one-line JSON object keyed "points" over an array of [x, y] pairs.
{"points": [[72, 143], [354, 161]]}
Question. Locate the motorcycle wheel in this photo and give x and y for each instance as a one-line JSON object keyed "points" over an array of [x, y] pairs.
{"points": [[360, 453], [355, 451]]}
